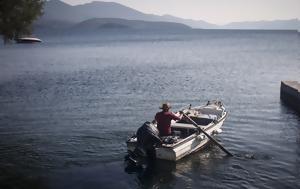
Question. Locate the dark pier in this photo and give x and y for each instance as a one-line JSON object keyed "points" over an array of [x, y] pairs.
{"points": [[290, 94]]}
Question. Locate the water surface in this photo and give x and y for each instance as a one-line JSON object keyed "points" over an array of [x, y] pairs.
{"points": [[68, 106]]}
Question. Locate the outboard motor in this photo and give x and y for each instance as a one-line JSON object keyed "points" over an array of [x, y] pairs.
{"points": [[148, 138]]}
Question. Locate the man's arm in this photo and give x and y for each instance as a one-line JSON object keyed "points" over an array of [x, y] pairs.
{"points": [[175, 117]]}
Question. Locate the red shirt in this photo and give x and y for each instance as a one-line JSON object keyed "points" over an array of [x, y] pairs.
{"points": [[164, 122]]}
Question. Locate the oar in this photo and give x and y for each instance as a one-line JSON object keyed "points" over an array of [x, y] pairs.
{"points": [[206, 134]]}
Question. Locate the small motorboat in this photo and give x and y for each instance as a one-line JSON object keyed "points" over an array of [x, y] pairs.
{"points": [[187, 137], [28, 40]]}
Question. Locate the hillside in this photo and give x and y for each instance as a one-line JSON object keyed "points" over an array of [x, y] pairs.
{"points": [[98, 24], [95, 25], [56, 10], [63, 15]]}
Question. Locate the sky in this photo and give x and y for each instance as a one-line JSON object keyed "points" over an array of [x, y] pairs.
{"points": [[215, 11]]}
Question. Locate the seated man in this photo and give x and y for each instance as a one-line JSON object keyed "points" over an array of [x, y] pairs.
{"points": [[164, 118]]}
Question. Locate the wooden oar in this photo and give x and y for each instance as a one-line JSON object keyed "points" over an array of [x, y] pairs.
{"points": [[206, 134]]}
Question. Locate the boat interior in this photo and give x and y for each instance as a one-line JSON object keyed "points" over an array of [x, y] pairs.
{"points": [[199, 120], [183, 129], [202, 116]]}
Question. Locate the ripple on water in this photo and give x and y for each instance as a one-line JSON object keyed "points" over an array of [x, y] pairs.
{"points": [[72, 106]]}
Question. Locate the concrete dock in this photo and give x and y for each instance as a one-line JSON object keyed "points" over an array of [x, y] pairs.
{"points": [[290, 94]]}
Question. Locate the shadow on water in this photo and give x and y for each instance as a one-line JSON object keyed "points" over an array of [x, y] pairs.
{"points": [[152, 173], [286, 108], [147, 174], [291, 114], [14, 180], [208, 168], [185, 173], [155, 174]]}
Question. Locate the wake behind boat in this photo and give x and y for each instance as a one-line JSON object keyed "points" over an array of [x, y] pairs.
{"points": [[189, 134]]}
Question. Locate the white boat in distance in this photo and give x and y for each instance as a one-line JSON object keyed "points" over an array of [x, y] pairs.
{"points": [[28, 40], [187, 138]]}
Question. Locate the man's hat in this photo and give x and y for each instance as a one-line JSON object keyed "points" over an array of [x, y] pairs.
{"points": [[165, 106]]}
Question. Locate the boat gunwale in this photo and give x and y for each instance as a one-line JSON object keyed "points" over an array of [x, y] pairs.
{"points": [[192, 136]]}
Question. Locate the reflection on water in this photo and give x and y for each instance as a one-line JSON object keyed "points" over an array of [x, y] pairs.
{"points": [[198, 169], [152, 174]]}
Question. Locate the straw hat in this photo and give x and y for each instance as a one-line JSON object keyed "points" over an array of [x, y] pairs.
{"points": [[165, 106]]}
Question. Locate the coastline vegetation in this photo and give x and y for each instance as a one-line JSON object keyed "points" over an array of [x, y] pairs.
{"points": [[17, 16]]}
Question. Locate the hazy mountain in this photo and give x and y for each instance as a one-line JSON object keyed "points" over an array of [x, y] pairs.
{"points": [[61, 15], [95, 25], [60, 11], [293, 24], [98, 9], [52, 26], [100, 24], [189, 22]]}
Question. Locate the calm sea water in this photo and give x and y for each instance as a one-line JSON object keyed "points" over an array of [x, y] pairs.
{"points": [[68, 105]]}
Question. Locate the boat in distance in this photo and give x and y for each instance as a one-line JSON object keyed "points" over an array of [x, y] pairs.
{"points": [[186, 138], [28, 40]]}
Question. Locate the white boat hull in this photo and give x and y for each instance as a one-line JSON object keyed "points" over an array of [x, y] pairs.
{"points": [[28, 40], [192, 144], [194, 141]]}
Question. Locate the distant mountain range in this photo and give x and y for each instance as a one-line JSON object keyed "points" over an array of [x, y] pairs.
{"points": [[60, 11], [59, 16], [293, 24]]}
